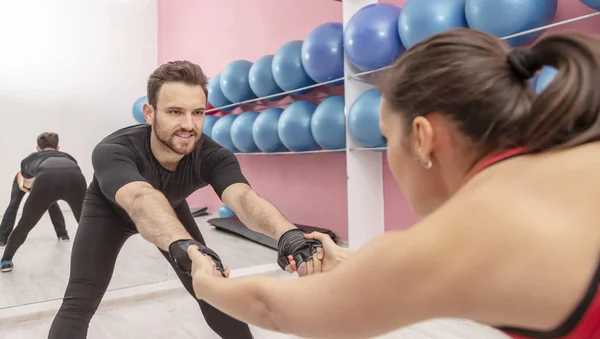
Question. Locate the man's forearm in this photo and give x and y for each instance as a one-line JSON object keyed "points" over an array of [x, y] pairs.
{"points": [[155, 219], [261, 216]]}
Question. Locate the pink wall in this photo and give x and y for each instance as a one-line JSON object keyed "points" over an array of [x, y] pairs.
{"points": [[214, 33]]}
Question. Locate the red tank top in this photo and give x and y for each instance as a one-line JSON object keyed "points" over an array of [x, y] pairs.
{"points": [[584, 321]]}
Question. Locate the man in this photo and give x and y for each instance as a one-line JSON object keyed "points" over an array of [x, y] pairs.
{"points": [[49, 175], [142, 176], [10, 215]]}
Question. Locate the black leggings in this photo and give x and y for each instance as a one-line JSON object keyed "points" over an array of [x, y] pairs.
{"points": [[10, 215], [100, 236], [66, 184]]}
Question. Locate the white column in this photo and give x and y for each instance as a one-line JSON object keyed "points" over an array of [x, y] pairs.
{"points": [[364, 167]]}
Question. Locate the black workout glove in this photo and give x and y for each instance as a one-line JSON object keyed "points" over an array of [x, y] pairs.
{"points": [[293, 243], [179, 255]]}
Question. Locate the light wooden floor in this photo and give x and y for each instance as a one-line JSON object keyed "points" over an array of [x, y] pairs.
{"points": [[41, 273], [178, 316], [42, 264]]}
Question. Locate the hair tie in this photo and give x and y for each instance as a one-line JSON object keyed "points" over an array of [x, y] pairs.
{"points": [[523, 63]]}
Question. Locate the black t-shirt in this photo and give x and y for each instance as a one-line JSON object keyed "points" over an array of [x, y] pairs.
{"points": [[125, 156], [36, 162]]}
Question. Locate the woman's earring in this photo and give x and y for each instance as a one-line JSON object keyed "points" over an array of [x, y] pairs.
{"points": [[426, 165]]}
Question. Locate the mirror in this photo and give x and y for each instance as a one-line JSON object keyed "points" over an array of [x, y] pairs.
{"points": [[76, 69], [42, 264]]}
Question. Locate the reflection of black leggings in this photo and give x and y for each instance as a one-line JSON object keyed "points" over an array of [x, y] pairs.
{"points": [[100, 236], [50, 185], [10, 215]]}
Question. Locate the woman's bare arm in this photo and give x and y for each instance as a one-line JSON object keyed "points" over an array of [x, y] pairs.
{"points": [[400, 278]]}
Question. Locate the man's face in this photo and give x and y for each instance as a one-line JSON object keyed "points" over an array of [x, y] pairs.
{"points": [[179, 116]]}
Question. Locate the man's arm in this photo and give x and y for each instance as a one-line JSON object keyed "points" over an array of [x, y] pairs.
{"points": [[222, 171], [120, 181], [152, 214], [256, 212], [25, 172]]}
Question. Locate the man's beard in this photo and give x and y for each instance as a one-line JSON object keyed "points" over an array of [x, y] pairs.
{"points": [[167, 138]]}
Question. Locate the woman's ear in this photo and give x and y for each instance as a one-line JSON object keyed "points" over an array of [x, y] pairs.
{"points": [[422, 139]]}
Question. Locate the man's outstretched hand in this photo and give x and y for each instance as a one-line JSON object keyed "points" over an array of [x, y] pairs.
{"points": [[326, 259]]}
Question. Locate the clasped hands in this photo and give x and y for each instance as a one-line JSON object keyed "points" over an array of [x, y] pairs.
{"points": [[304, 253]]}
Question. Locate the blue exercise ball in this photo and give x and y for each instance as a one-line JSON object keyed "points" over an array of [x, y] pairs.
{"points": [[138, 109], [234, 81], [363, 119], [221, 131], [215, 94], [288, 72], [264, 131], [241, 132], [328, 123], [545, 77], [533, 81], [225, 212], [593, 4], [294, 126], [209, 123], [261, 79], [323, 53], [371, 39], [420, 19], [506, 17]]}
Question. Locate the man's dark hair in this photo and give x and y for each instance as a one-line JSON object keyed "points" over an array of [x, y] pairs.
{"points": [[47, 140], [175, 71]]}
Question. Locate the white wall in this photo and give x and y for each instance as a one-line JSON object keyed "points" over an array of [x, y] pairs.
{"points": [[73, 67]]}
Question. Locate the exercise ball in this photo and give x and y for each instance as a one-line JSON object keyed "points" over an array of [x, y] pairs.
{"points": [[371, 39], [215, 94], [420, 19], [241, 132], [261, 79], [323, 53], [225, 212], [264, 130], [593, 4], [138, 109], [545, 77], [363, 119], [506, 17], [288, 72], [209, 123], [294, 126], [328, 123], [533, 81], [221, 131], [234, 81]]}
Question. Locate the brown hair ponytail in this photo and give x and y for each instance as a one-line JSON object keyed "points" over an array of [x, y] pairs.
{"points": [[567, 112], [481, 84]]}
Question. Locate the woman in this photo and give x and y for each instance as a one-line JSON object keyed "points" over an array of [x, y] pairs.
{"points": [[508, 184]]}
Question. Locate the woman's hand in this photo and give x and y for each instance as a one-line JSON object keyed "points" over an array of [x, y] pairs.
{"points": [[326, 258], [202, 267]]}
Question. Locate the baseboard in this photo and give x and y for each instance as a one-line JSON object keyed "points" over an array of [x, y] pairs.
{"points": [[112, 298]]}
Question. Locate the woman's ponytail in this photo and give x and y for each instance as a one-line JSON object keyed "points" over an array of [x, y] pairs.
{"points": [[567, 112]]}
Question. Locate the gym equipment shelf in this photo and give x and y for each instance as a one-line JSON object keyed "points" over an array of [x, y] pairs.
{"points": [[364, 166]]}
